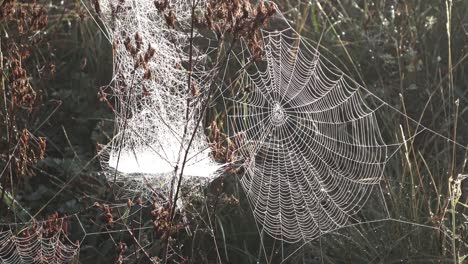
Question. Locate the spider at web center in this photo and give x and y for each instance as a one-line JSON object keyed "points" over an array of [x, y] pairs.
{"points": [[278, 117]]}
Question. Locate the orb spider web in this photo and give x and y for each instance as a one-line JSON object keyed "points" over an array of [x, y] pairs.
{"points": [[311, 146]]}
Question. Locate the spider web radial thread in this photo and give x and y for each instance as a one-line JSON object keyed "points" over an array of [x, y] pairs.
{"points": [[311, 147]]}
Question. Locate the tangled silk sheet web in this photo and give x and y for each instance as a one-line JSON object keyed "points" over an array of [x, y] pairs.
{"points": [[151, 119]]}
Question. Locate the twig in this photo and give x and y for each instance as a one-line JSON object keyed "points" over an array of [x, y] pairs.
{"points": [[189, 83]]}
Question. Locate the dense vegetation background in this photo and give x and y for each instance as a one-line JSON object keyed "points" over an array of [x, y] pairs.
{"points": [[56, 65]]}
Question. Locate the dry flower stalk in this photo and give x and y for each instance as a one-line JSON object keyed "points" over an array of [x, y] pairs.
{"points": [[21, 98]]}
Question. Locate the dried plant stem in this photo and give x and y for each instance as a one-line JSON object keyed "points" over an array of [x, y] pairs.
{"points": [[453, 194], [448, 5], [173, 204], [7, 129], [9, 197], [2, 83]]}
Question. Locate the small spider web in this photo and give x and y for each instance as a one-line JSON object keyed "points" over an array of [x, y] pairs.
{"points": [[39, 242]]}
